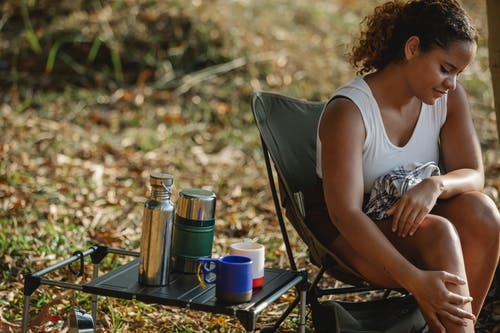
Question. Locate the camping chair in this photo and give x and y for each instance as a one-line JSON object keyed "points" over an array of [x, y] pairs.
{"points": [[287, 128]]}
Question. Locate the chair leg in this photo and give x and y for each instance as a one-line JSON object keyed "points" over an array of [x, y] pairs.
{"points": [[285, 314], [302, 289], [313, 292]]}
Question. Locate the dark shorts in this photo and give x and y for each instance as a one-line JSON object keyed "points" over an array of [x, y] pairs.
{"points": [[317, 217]]}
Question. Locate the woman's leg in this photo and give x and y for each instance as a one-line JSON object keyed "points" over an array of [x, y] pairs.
{"points": [[477, 221], [435, 246]]}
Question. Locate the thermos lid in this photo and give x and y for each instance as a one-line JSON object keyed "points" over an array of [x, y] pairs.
{"points": [[196, 204], [161, 179]]}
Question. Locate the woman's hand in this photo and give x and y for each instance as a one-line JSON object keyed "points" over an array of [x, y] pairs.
{"points": [[437, 302], [409, 211]]}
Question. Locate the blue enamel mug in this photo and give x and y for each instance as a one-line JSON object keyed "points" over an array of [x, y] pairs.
{"points": [[232, 276]]}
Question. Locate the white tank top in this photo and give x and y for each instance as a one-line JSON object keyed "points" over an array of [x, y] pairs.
{"points": [[380, 155]]}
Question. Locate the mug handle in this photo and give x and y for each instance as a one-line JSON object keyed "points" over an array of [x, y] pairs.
{"points": [[204, 269]]}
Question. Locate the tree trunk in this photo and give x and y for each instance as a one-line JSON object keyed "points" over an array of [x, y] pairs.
{"points": [[493, 14]]}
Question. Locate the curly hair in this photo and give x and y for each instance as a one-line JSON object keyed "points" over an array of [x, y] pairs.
{"points": [[437, 23]]}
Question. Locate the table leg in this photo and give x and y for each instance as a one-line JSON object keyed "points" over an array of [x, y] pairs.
{"points": [[302, 319], [26, 313], [94, 298]]}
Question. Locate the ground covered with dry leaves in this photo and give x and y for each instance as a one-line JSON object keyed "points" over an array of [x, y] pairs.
{"points": [[96, 95]]}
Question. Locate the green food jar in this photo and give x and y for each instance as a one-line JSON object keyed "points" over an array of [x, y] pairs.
{"points": [[194, 226]]}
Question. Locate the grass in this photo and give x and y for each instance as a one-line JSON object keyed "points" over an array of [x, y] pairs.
{"points": [[80, 139]]}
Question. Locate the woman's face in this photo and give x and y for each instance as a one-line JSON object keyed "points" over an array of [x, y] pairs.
{"points": [[434, 73]]}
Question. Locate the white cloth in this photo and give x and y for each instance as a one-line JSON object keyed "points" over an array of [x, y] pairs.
{"points": [[380, 155], [389, 188]]}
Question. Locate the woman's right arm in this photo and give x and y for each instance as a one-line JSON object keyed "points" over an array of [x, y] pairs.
{"points": [[342, 134]]}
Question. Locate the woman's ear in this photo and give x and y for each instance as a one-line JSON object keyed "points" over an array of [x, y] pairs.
{"points": [[412, 47]]}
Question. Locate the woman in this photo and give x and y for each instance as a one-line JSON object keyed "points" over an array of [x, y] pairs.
{"points": [[440, 239]]}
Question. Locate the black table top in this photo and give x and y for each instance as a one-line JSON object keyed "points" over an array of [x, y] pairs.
{"points": [[184, 290]]}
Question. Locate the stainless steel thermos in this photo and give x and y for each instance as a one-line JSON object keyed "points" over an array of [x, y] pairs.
{"points": [[156, 238]]}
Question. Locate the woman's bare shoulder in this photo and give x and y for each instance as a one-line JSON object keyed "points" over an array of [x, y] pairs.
{"points": [[341, 115], [457, 99]]}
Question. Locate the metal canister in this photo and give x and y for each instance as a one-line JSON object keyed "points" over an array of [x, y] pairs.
{"points": [[193, 228], [156, 238]]}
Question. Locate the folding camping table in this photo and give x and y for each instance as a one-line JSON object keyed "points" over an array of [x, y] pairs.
{"points": [[183, 290]]}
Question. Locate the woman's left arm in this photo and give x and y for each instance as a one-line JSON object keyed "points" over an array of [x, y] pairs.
{"points": [[460, 149], [461, 156]]}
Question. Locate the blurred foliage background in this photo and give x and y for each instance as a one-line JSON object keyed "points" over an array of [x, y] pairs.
{"points": [[96, 95]]}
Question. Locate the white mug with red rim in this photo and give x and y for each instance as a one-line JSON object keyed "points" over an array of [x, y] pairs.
{"points": [[254, 251]]}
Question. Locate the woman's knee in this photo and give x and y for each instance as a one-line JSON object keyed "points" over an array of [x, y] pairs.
{"points": [[439, 229], [480, 219], [481, 206], [475, 216], [440, 241]]}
